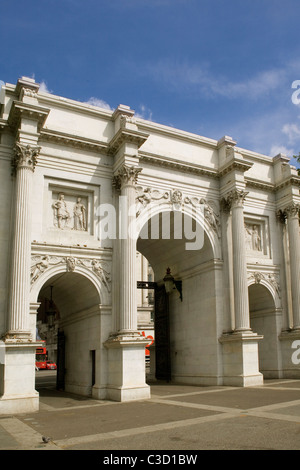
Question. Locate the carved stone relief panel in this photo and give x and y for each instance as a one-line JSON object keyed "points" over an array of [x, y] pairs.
{"points": [[70, 211], [257, 236]]}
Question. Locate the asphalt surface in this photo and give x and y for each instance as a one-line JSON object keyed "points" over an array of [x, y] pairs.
{"points": [[177, 418]]}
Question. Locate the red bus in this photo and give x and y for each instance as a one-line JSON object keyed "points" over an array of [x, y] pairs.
{"points": [[41, 358]]}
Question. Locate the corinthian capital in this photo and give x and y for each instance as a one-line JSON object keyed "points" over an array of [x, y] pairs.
{"points": [[126, 175], [235, 198], [25, 156], [292, 210]]}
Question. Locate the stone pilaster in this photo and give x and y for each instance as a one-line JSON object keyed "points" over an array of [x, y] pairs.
{"points": [[24, 162]]}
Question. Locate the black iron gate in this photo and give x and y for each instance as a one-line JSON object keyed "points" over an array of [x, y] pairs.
{"points": [[162, 330]]}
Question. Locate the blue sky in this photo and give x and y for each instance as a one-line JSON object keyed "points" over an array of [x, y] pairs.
{"points": [[211, 67]]}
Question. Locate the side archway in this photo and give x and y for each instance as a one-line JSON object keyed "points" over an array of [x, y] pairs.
{"points": [[265, 319], [78, 297]]}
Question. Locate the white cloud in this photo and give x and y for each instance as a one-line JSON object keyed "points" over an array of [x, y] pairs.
{"points": [[99, 103], [276, 149], [292, 131], [145, 113], [44, 88], [200, 78]]}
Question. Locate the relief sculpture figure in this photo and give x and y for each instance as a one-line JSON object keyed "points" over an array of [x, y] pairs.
{"points": [[79, 215], [61, 212]]}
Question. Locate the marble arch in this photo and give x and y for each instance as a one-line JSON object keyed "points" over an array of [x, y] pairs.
{"points": [[104, 295], [61, 161], [157, 208]]}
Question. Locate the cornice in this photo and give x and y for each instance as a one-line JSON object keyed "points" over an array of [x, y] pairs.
{"points": [[20, 109], [175, 133], [177, 165], [292, 180], [126, 136], [257, 184], [72, 250], [72, 141], [235, 164]]}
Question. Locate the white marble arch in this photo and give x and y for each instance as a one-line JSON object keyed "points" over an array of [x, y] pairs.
{"points": [[104, 295], [154, 209], [272, 290]]}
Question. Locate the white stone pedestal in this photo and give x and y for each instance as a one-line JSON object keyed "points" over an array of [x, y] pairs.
{"points": [[17, 378], [290, 353], [240, 359], [126, 368]]}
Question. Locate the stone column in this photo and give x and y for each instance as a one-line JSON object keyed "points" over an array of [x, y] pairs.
{"points": [[241, 302], [23, 164], [292, 215], [126, 348], [240, 347], [126, 181]]}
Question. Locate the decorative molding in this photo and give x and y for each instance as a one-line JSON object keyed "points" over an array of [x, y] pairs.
{"points": [[177, 165], [82, 143]]}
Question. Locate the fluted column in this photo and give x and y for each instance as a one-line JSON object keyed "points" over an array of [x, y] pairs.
{"points": [[292, 215], [24, 163], [235, 201], [125, 180]]}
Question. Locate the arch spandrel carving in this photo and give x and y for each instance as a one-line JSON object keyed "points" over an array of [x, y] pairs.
{"points": [[270, 281], [151, 202], [44, 267]]}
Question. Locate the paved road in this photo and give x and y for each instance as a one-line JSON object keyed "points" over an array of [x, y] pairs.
{"points": [[176, 418]]}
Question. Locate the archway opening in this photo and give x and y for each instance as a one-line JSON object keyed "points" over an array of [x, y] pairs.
{"points": [[194, 323], [263, 321], [68, 322]]}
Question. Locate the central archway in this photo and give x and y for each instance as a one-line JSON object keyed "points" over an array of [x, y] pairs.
{"points": [[195, 322]]}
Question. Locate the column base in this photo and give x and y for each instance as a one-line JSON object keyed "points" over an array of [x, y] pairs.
{"points": [[126, 368], [10, 405], [17, 377], [240, 359]]}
